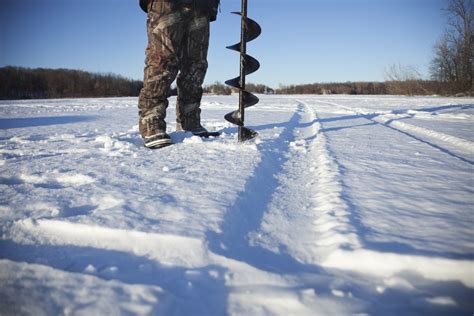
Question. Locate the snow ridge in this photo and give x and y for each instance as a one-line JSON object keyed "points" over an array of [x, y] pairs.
{"points": [[393, 120], [333, 213], [167, 249], [331, 222]]}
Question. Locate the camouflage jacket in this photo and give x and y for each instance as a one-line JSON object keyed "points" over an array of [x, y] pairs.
{"points": [[209, 6]]}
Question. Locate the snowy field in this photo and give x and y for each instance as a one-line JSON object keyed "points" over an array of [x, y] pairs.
{"points": [[343, 205]]}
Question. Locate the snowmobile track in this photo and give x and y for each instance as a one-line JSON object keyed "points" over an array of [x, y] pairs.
{"points": [[317, 202], [437, 140]]}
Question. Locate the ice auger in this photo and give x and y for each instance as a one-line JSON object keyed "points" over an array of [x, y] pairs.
{"points": [[250, 30]]}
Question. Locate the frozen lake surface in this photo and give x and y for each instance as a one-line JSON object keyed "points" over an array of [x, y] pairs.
{"points": [[343, 205]]}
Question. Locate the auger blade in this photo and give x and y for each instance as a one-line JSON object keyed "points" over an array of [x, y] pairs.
{"points": [[246, 134], [249, 99], [253, 28], [250, 37], [251, 64], [234, 82], [235, 47], [234, 118]]}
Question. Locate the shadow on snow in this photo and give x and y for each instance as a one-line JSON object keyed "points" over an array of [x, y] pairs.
{"points": [[188, 291], [10, 123]]}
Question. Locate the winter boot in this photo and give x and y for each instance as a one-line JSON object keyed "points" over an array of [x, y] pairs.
{"points": [[189, 120], [152, 128]]}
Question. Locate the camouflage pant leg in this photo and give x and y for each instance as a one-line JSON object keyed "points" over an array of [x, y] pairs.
{"points": [[192, 71], [165, 28]]}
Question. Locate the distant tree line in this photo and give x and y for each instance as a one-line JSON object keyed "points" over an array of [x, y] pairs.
{"points": [[401, 80], [217, 88], [395, 87], [26, 83], [23, 83], [335, 88], [222, 89]]}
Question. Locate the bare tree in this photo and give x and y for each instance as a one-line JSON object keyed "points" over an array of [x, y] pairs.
{"points": [[453, 61], [444, 64], [404, 79], [399, 72]]}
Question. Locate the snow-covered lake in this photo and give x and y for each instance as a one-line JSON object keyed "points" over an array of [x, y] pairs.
{"points": [[343, 205]]}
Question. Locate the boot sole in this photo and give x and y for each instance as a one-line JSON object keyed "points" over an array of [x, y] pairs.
{"points": [[159, 143]]}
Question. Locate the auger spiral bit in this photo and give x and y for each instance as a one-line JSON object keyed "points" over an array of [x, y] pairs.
{"points": [[250, 30]]}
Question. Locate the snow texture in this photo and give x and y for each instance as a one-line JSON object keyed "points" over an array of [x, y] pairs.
{"points": [[343, 205]]}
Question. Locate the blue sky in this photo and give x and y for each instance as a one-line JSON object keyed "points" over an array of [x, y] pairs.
{"points": [[303, 41]]}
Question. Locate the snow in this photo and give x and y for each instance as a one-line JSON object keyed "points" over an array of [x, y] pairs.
{"points": [[343, 205]]}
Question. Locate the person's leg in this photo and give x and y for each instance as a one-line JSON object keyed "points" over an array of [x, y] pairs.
{"points": [[192, 72], [165, 36]]}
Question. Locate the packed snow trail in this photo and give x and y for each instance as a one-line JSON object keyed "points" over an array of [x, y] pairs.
{"points": [[337, 208]]}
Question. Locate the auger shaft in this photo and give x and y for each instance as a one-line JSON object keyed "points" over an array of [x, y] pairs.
{"points": [[243, 53], [249, 31]]}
